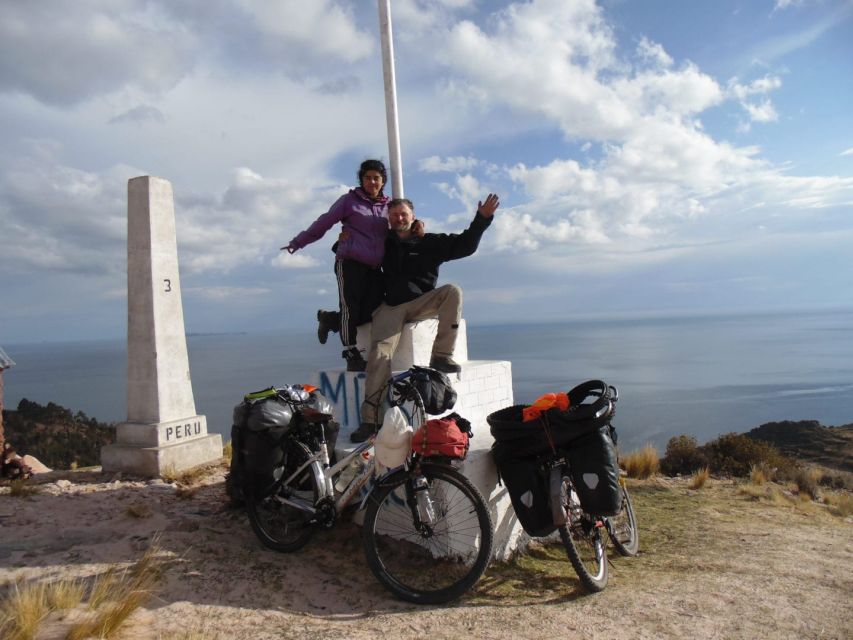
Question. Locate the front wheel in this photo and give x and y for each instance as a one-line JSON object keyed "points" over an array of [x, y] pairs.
{"points": [[428, 535], [584, 540], [623, 528], [279, 524]]}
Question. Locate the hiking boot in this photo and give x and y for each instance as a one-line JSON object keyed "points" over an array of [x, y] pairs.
{"points": [[327, 321], [354, 360], [364, 431], [445, 364]]}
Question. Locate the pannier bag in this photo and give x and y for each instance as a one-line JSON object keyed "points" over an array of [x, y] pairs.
{"points": [[443, 437], [258, 426], [435, 390], [595, 473], [589, 409], [527, 484]]}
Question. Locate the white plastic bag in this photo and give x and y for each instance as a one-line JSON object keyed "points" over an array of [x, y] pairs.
{"points": [[393, 443]]}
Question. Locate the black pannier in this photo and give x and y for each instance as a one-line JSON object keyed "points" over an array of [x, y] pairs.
{"points": [[590, 408], [583, 433], [258, 427], [595, 473], [527, 483]]}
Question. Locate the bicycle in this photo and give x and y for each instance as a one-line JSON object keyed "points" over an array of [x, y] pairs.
{"points": [[427, 531], [583, 533]]}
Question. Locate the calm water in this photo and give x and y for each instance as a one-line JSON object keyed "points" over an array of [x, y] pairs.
{"points": [[702, 376]]}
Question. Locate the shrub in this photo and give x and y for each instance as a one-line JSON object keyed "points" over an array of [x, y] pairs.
{"points": [[734, 454], [641, 464], [807, 482], [683, 456]]}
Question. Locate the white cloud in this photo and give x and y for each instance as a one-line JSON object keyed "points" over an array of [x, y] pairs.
{"points": [[654, 53], [847, 152], [434, 164]]}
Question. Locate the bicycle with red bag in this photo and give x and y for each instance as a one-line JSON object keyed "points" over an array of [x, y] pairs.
{"points": [[427, 529]]}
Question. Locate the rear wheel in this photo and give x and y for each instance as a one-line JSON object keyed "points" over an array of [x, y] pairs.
{"points": [[428, 536], [279, 524], [623, 528], [584, 540]]}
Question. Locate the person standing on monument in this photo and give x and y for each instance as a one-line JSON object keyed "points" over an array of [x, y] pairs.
{"points": [[410, 271], [363, 213]]}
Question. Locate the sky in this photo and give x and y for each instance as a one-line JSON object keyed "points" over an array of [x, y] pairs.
{"points": [[652, 158]]}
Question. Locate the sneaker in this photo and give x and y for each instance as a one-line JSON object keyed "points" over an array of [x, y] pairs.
{"points": [[445, 364], [364, 431], [354, 360], [327, 321]]}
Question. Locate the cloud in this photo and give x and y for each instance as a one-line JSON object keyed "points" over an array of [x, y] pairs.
{"points": [[106, 46], [434, 164], [141, 114], [63, 57], [847, 152], [226, 292]]}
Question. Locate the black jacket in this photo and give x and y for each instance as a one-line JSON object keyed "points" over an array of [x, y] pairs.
{"points": [[410, 267]]}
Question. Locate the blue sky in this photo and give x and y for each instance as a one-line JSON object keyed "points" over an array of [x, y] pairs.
{"points": [[653, 158]]}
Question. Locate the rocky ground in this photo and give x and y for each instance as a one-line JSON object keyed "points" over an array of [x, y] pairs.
{"points": [[715, 563]]}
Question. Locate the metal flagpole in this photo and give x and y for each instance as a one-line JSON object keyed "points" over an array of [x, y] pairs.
{"points": [[390, 98]]}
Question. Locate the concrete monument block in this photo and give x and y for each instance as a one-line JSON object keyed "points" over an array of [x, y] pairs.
{"points": [[162, 429]]}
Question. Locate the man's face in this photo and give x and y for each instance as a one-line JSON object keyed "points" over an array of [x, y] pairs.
{"points": [[400, 218]]}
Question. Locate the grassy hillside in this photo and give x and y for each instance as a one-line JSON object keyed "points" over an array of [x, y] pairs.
{"points": [[811, 441]]}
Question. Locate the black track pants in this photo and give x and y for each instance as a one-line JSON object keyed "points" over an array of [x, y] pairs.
{"points": [[360, 291]]}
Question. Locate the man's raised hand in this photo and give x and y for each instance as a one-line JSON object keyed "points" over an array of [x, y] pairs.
{"points": [[487, 209]]}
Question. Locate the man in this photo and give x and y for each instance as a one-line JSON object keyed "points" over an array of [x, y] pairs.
{"points": [[410, 271]]}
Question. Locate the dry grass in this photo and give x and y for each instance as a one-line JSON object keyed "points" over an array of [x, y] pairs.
{"points": [[113, 597], [698, 479], [641, 464], [186, 477], [138, 510], [758, 475], [840, 504], [21, 489], [807, 483], [227, 451]]}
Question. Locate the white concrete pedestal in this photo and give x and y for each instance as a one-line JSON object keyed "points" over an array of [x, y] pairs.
{"points": [[483, 386], [163, 431]]}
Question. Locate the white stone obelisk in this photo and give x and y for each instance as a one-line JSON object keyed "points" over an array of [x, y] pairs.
{"points": [[163, 431]]}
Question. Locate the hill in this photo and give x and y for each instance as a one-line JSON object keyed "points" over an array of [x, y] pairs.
{"points": [[809, 440], [56, 436]]}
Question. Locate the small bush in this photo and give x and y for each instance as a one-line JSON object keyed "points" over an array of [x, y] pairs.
{"points": [[700, 478], [683, 456], [734, 454], [227, 451], [641, 464], [807, 482]]}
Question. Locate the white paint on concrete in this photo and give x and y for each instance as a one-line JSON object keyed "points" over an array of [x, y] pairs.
{"points": [[162, 429]]}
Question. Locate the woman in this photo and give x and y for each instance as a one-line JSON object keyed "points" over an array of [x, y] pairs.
{"points": [[363, 212]]}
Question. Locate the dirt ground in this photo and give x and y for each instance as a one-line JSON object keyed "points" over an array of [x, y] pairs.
{"points": [[714, 564]]}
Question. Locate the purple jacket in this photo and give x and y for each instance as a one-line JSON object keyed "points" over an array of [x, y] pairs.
{"points": [[366, 222]]}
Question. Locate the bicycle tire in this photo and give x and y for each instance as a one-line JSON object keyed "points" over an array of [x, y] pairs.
{"points": [[582, 538], [434, 564], [623, 528], [279, 526]]}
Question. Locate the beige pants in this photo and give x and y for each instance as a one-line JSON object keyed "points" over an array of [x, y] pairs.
{"points": [[444, 302]]}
